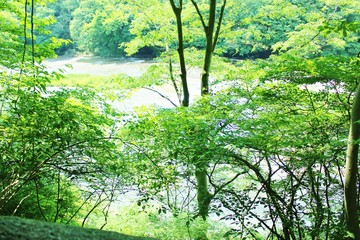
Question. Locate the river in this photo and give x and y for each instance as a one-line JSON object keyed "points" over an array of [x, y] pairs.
{"points": [[132, 67]]}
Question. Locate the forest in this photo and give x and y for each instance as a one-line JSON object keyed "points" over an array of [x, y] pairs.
{"points": [[267, 149]]}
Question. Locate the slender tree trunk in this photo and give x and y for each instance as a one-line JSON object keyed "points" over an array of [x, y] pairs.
{"points": [[351, 170], [177, 11], [209, 32], [203, 195]]}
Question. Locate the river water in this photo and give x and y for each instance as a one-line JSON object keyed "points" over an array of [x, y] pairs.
{"points": [[132, 67]]}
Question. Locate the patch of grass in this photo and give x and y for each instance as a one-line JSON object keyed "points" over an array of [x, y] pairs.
{"points": [[103, 83], [80, 80], [114, 86]]}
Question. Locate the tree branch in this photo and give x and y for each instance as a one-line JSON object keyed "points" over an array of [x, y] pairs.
{"points": [[161, 95], [200, 15], [178, 93], [217, 32]]}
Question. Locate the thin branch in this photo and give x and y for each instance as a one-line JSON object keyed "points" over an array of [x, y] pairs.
{"points": [[312, 39], [79, 208], [221, 17], [25, 35], [200, 15], [146, 15], [38, 201], [138, 149], [178, 93], [227, 183], [98, 202], [58, 196], [214, 168], [32, 33], [20, 202], [161, 95], [263, 222], [106, 209]]}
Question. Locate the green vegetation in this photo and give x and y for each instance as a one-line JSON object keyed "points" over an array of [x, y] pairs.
{"points": [[249, 28], [22, 229], [268, 151]]}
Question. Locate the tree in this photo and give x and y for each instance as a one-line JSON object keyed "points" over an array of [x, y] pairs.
{"points": [[201, 164], [351, 170], [324, 29], [99, 27], [337, 26], [211, 37], [177, 11], [60, 16], [18, 30], [264, 146], [271, 142], [285, 177], [271, 161], [50, 140]]}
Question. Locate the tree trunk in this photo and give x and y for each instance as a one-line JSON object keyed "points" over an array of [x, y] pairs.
{"points": [[177, 11], [203, 195], [351, 170], [209, 32]]}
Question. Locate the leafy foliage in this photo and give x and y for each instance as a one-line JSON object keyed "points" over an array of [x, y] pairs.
{"points": [[113, 28], [134, 220], [270, 138], [274, 149], [52, 141], [50, 133], [97, 28]]}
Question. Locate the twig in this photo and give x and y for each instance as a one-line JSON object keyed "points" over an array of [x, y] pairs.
{"points": [[200, 15], [173, 81], [161, 95], [219, 25]]}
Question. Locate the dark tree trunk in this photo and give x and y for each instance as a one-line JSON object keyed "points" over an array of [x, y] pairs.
{"points": [[177, 11]]}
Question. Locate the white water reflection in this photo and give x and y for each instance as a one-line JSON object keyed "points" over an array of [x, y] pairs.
{"points": [[147, 97]]}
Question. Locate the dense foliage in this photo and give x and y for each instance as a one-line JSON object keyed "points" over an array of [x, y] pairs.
{"points": [[250, 28], [260, 155], [275, 153], [53, 141]]}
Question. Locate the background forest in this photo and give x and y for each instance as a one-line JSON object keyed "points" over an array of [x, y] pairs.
{"points": [[268, 149]]}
